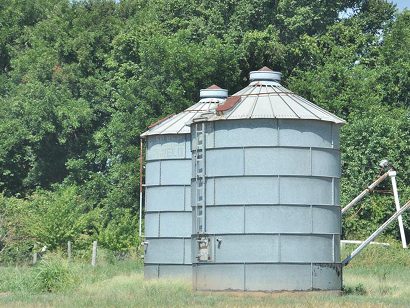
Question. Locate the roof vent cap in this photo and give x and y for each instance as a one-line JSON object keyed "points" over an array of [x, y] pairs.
{"points": [[265, 74], [213, 91]]}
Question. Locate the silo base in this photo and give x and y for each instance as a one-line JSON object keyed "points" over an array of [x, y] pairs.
{"points": [[167, 271], [268, 277]]}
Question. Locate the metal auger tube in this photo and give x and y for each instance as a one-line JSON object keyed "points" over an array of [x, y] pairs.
{"points": [[369, 189], [375, 234]]}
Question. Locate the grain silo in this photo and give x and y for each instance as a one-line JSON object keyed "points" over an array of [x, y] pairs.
{"points": [[265, 192], [168, 218]]}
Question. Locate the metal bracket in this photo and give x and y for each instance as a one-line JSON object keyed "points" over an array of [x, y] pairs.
{"points": [[145, 244]]}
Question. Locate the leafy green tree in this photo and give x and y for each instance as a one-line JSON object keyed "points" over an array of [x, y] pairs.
{"points": [[395, 62], [81, 80], [370, 136]]}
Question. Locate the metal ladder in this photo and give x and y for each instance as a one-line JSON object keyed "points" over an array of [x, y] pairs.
{"points": [[200, 177]]}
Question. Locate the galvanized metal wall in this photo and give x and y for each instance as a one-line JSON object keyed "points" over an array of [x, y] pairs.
{"points": [[168, 209], [273, 218]]}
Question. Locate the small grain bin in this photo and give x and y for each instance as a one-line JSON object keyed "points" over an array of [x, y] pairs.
{"points": [[265, 192], [167, 190]]}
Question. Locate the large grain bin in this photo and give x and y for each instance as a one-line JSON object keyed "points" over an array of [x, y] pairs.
{"points": [[168, 222], [265, 192]]}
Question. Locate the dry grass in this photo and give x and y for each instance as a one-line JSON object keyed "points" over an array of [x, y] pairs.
{"points": [[379, 282]]}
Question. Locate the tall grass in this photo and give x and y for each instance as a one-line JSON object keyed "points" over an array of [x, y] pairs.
{"points": [[378, 276], [51, 274], [54, 274], [379, 256]]}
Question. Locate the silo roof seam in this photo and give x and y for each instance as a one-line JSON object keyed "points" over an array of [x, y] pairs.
{"points": [[273, 101]]}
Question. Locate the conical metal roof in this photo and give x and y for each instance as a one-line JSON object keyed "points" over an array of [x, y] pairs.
{"points": [[211, 97], [266, 98]]}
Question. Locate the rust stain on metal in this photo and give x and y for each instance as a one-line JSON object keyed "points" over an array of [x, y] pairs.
{"points": [[336, 266], [229, 103], [214, 87], [265, 69], [161, 120]]}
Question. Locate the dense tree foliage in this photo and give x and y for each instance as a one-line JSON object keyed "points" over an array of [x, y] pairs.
{"points": [[80, 80]]}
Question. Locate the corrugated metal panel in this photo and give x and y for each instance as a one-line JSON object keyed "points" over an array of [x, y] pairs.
{"points": [[270, 100], [167, 207], [265, 193], [268, 277], [168, 218], [177, 124]]}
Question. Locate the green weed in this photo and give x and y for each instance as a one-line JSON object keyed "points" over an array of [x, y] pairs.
{"points": [[355, 290]]}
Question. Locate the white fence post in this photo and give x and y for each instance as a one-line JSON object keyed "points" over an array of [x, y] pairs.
{"points": [[35, 255], [69, 250], [94, 257]]}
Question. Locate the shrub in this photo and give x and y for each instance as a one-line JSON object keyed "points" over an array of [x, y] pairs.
{"points": [[47, 218]]}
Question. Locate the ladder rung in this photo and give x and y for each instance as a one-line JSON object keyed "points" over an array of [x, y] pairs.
{"points": [[200, 177]]}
